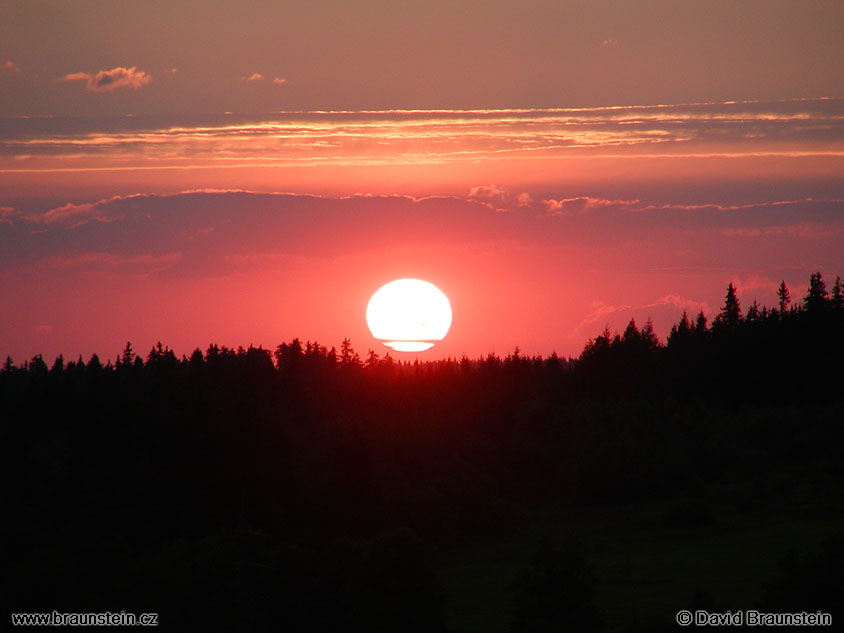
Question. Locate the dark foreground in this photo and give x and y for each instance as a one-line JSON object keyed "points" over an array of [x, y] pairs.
{"points": [[305, 490]]}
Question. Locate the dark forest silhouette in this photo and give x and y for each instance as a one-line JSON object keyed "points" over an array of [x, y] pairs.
{"points": [[306, 487]]}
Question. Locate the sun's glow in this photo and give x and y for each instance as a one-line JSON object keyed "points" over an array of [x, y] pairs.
{"points": [[409, 346], [409, 315]]}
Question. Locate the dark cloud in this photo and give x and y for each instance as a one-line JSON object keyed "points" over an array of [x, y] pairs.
{"points": [[214, 231], [208, 233]]}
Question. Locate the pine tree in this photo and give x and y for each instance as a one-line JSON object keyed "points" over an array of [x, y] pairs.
{"points": [[331, 356], [372, 360], [288, 357], [604, 340], [730, 314], [648, 336], [593, 348], [784, 297], [681, 330], [196, 360], [838, 294], [58, 365], [348, 356], [128, 355], [817, 296], [94, 363], [631, 332], [700, 323], [685, 326], [37, 366]]}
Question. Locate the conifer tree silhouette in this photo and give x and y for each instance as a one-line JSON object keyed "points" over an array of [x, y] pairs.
{"points": [[128, 356], [700, 323], [648, 336], [348, 356], [784, 297], [838, 294], [730, 314], [817, 296], [372, 360]]}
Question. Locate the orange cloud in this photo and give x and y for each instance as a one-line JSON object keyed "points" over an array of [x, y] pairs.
{"points": [[108, 80], [499, 198], [487, 192], [254, 77], [583, 204], [279, 81], [67, 211], [699, 136], [10, 66]]}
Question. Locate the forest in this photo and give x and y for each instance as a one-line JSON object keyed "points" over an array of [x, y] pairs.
{"points": [[307, 488]]}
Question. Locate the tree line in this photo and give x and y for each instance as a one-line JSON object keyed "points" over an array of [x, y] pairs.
{"points": [[790, 344]]}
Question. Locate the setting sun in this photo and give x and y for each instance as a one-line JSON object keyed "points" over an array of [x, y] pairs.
{"points": [[409, 315]]}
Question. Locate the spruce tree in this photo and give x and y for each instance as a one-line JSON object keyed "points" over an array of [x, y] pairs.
{"points": [[784, 297], [730, 314], [838, 294], [817, 296]]}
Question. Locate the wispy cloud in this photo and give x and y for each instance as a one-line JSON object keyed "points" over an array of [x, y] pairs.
{"points": [[10, 66], [140, 264], [109, 80], [807, 230], [779, 129], [601, 312], [279, 81], [253, 77], [754, 281]]}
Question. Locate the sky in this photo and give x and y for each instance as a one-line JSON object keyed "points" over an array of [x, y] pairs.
{"points": [[204, 172]]}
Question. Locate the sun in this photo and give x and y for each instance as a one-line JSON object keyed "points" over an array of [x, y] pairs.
{"points": [[409, 315]]}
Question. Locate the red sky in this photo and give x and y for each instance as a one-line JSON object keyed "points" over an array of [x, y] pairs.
{"points": [[552, 167]]}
